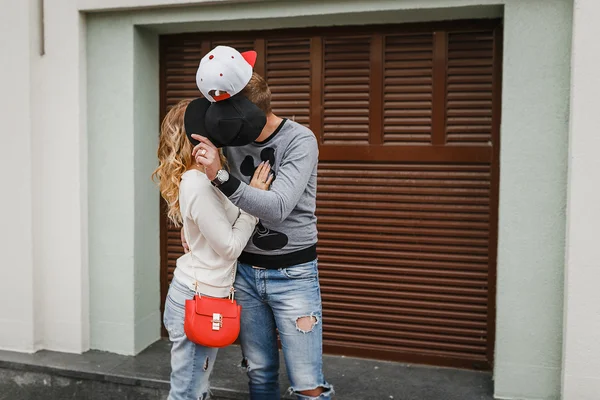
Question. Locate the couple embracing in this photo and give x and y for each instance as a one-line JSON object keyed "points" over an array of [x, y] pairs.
{"points": [[242, 182]]}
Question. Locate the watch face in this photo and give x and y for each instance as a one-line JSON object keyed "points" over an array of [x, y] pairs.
{"points": [[223, 176]]}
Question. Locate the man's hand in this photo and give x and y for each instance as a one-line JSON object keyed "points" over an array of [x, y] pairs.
{"points": [[186, 246], [207, 155]]}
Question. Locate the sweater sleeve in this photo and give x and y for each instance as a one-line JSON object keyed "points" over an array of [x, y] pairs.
{"points": [[207, 211], [297, 166]]}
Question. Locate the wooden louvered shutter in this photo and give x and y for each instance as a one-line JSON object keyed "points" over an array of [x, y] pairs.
{"points": [[408, 93], [240, 44], [470, 79], [407, 119], [406, 198], [288, 73], [404, 259], [346, 88]]}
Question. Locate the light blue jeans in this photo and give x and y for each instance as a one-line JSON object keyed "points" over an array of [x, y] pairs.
{"points": [[273, 301], [191, 364]]}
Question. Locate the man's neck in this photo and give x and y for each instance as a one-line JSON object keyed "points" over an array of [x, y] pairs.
{"points": [[273, 122]]}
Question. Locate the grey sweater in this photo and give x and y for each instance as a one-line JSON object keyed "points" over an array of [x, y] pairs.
{"points": [[287, 232]]}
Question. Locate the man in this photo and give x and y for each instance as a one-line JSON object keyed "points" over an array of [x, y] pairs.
{"points": [[277, 281]]}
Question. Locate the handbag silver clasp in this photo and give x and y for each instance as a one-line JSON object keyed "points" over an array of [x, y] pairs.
{"points": [[217, 321]]}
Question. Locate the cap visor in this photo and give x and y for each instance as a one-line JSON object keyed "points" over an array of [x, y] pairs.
{"points": [[194, 118], [222, 97]]}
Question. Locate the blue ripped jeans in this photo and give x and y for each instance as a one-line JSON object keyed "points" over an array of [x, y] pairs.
{"points": [[191, 364], [274, 301]]}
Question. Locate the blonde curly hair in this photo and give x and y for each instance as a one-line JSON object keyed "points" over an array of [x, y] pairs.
{"points": [[174, 159]]}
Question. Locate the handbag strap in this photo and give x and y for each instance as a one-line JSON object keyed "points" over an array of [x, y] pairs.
{"points": [[196, 283]]}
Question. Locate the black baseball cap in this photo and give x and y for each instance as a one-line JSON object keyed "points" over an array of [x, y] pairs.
{"points": [[235, 121]]}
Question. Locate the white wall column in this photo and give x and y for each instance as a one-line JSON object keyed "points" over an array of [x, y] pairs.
{"points": [[43, 234], [60, 179], [17, 316], [581, 351]]}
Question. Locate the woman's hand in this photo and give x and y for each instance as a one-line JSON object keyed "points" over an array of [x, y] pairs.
{"points": [[207, 155], [262, 179]]}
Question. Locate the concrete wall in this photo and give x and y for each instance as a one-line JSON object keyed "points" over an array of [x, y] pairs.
{"points": [[124, 227], [581, 357], [533, 181], [146, 218], [111, 186]]}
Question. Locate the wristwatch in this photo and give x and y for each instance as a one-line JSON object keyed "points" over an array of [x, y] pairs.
{"points": [[221, 178]]}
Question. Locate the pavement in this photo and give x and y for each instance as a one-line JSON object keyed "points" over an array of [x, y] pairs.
{"points": [[105, 376]]}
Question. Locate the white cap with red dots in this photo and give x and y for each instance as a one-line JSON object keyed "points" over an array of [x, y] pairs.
{"points": [[224, 72]]}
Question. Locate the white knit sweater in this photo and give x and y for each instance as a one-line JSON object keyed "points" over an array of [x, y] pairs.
{"points": [[216, 231]]}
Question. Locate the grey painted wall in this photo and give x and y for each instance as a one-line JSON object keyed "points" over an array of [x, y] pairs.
{"points": [[123, 131]]}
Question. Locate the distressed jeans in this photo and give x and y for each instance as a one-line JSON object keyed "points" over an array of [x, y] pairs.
{"points": [[273, 301], [191, 364]]}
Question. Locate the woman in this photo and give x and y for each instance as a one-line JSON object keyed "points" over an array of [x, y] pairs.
{"points": [[216, 232]]}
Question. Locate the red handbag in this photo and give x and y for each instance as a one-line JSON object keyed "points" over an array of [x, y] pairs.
{"points": [[210, 321]]}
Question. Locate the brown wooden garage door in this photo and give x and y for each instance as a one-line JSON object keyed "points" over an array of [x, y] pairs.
{"points": [[407, 118]]}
